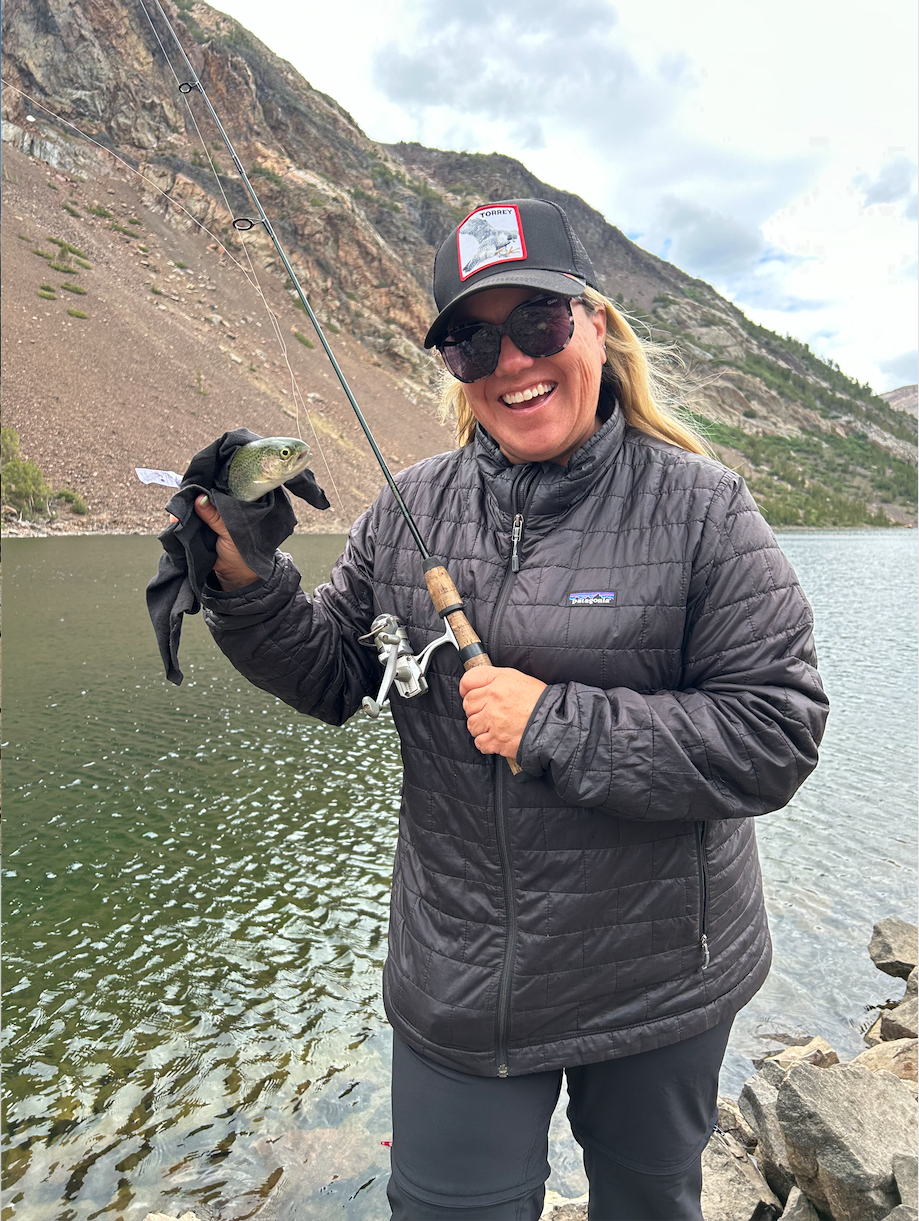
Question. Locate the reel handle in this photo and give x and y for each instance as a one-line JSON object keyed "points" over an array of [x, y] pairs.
{"points": [[449, 606]]}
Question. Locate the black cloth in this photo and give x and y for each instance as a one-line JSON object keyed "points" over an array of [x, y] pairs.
{"points": [[470, 1146], [190, 545]]}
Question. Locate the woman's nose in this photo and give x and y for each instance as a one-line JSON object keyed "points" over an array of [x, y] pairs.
{"points": [[510, 358]]}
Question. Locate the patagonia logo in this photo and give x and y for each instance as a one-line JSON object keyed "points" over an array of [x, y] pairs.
{"points": [[606, 598], [489, 235]]}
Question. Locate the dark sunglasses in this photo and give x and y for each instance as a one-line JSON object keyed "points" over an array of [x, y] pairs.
{"points": [[540, 327]]}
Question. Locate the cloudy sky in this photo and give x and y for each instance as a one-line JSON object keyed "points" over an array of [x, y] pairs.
{"points": [[768, 149]]}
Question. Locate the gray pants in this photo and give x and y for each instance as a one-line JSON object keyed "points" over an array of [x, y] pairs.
{"points": [[475, 1148]]}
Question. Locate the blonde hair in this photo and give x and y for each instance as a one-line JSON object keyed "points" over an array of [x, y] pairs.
{"points": [[638, 372]]}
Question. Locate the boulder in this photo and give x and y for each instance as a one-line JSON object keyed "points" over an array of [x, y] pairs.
{"points": [[757, 1104], [731, 1122], [816, 1051], [897, 1056], [732, 1187], [842, 1128], [872, 1035], [904, 1171], [903, 1212], [901, 1023], [558, 1208], [894, 947], [798, 1207]]}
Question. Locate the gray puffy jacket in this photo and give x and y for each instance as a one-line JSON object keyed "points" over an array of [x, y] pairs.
{"points": [[609, 899]]}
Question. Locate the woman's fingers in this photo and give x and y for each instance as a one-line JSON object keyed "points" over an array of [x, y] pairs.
{"points": [[230, 569]]}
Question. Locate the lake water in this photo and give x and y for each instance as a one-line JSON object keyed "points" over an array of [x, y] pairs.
{"points": [[197, 883]]}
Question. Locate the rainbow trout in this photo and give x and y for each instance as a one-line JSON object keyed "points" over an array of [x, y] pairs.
{"points": [[261, 466]]}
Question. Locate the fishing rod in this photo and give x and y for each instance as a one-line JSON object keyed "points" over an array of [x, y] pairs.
{"points": [[401, 666]]}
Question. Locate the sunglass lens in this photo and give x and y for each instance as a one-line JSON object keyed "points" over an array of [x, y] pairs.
{"points": [[542, 328], [471, 352]]}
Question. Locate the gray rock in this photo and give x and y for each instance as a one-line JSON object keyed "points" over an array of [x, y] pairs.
{"points": [[842, 1127], [903, 1212], [733, 1123], [798, 1207], [757, 1104], [894, 947], [904, 1171], [815, 1051], [557, 1208], [897, 1056], [732, 1187], [912, 982], [901, 1023]]}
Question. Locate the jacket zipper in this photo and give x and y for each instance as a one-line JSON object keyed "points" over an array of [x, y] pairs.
{"points": [[703, 893], [522, 490]]}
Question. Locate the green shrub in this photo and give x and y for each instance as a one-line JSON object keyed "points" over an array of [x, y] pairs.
{"points": [[262, 171], [132, 220], [303, 339], [77, 313], [74, 288], [24, 238], [64, 268], [24, 486], [83, 263], [66, 248], [69, 497], [43, 254], [143, 249], [46, 296], [156, 291], [182, 266], [69, 208], [103, 212], [9, 445]]}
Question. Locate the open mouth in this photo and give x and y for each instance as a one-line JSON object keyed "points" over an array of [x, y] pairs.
{"points": [[532, 395]]}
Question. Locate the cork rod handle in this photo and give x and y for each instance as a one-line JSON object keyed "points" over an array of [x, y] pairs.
{"points": [[449, 606]]}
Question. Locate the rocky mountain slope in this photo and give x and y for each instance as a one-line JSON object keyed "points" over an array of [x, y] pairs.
{"points": [[360, 221]]}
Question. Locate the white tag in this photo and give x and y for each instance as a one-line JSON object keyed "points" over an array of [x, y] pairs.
{"points": [[489, 235], [168, 479]]}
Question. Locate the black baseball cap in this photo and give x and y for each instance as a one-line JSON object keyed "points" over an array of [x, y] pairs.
{"points": [[512, 243]]}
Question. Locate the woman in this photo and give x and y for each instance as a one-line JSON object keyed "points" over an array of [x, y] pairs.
{"points": [[601, 912]]}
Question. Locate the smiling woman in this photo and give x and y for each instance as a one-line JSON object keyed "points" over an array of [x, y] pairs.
{"points": [[654, 682]]}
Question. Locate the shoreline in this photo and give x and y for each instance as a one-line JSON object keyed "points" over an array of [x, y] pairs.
{"points": [[63, 530]]}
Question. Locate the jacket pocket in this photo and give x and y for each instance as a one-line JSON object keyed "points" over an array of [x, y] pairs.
{"points": [[702, 862]]}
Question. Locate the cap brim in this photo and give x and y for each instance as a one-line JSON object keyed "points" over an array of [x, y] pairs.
{"points": [[560, 282]]}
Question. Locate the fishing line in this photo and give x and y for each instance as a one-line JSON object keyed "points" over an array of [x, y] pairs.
{"points": [[296, 394], [245, 223]]}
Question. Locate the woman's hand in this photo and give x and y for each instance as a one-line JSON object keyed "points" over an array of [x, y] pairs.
{"points": [[231, 570], [498, 702]]}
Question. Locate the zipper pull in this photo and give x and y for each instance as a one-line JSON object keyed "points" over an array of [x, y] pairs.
{"points": [[705, 954], [515, 539], [502, 1070]]}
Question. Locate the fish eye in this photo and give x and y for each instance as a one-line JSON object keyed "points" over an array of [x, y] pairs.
{"points": [[285, 452]]}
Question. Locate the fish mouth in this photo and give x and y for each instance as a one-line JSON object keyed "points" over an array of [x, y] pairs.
{"points": [[530, 396]]}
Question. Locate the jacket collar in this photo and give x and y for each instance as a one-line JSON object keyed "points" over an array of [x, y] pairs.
{"points": [[558, 488]]}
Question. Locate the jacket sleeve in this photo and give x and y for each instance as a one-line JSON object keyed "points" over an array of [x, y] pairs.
{"points": [[739, 734], [304, 649]]}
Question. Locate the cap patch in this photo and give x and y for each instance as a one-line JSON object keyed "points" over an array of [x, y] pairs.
{"points": [[489, 235]]}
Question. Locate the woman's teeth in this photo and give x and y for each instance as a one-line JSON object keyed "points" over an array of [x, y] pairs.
{"points": [[522, 396]]}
